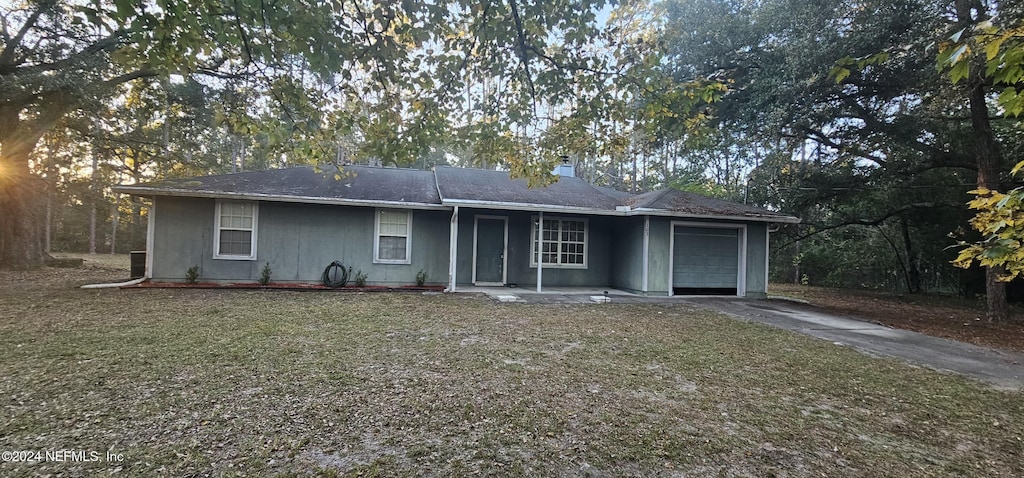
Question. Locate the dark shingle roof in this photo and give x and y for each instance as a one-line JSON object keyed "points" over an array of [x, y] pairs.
{"points": [[354, 183], [365, 185], [674, 200], [462, 184], [615, 193]]}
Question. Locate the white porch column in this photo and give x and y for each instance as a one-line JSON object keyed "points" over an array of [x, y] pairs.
{"points": [[646, 254], [150, 236], [540, 249], [453, 249]]}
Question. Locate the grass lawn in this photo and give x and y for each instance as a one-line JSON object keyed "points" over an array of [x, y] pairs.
{"points": [[229, 382]]}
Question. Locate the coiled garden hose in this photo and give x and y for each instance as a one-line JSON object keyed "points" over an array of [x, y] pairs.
{"points": [[335, 275]]}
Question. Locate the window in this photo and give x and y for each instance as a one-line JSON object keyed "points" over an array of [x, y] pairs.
{"points": [[393, 231], [235, 230], [564, 243]]}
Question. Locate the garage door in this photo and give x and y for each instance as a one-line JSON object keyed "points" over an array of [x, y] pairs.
{"points": [[705, 260]]}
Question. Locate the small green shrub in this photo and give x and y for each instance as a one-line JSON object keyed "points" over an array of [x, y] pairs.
{"points": [[192, 274], [421, 277], [265, 278], [360, 278]]}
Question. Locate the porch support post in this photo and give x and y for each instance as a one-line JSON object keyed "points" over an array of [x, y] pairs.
{"points": [[453, 249], [767, 244], [540, 249], [646, 254], [150, 236]]}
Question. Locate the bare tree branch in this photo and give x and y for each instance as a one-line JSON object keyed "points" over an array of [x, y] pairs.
{"points": [[8, 54], [524, 57], [871, 222], [108, 43], [117, 80]]}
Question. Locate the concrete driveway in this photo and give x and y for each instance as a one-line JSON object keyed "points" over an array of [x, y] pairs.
{"points": [[1000, 368]]}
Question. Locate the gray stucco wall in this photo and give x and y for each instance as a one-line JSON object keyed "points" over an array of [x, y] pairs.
{"points": [[519, 270], [756, 253], [298, 240], [660, 263]]}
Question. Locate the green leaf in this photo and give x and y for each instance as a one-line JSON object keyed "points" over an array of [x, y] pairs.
{"points": [[1011, 101], [839, 73], [124, 10], [960, 71], [992, 49]]}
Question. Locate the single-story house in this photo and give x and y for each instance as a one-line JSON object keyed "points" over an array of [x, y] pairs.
{"points": [[460, 227]]}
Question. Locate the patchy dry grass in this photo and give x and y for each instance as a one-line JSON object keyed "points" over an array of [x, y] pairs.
{"points": [[186, 382], [105, 261]]}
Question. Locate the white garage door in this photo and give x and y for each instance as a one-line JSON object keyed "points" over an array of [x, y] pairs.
{"points": [[705, 258]]}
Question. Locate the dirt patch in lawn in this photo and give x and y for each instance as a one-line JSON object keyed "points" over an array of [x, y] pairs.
{"points": [[940, 316]]}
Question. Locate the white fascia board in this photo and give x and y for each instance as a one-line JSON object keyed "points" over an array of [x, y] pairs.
{"points": [[661, 212], [144, 191], [515, 206]]}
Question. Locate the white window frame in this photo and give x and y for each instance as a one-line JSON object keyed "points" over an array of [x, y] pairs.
{"points": [[216, 232], [534, 243], [376, 237]]}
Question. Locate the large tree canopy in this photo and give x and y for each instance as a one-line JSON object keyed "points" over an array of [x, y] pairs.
{"points": [[309, 81], [840, 112], [860, 134]]}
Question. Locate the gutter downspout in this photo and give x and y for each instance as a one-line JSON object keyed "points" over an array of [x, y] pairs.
{"points": [[453, 250], [540, 249], [647, 255], [116, 284]]}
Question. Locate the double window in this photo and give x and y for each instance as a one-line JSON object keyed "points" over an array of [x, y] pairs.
{"points": [[393, 237], [564, 243], [235, 230]]}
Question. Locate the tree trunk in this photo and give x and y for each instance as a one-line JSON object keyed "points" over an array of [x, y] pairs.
{"points": [[796, 265], [47, 241], [92, 203], [21, 193], [987, 153], [92, 229], [913, 266], [20, 202], [234, 155], [634, 187], [114, 216]]}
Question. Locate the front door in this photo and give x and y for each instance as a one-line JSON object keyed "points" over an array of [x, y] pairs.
{"points": [[489, 250]]}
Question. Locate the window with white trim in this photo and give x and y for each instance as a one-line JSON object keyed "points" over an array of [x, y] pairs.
{"points": [[564, 243], [393, 237], [235, 230]]}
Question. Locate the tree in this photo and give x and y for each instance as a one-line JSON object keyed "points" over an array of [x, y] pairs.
{"points": [[856, 127], [985, 53], [389, 74]]}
